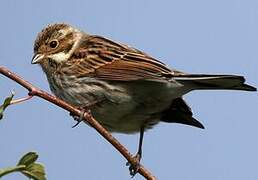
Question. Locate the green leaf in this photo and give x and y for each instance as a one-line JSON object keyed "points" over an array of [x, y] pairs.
{"points": [[28, 158], [35, 171], [27, 167], [32, 170], [6, 103]]}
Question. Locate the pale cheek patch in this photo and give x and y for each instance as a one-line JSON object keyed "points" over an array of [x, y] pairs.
{"points": [[59, 57], [62, 56]]}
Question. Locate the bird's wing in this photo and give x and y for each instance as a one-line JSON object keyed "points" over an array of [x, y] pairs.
{"points": [[105, 59]]}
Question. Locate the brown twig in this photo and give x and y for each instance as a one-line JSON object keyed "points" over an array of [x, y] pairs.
{"points": [[34, 91], [17, 101]]}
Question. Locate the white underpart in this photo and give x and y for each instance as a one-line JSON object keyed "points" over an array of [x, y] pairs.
{"points": [[61, 56]]}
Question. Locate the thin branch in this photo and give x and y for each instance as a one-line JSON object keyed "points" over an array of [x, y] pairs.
{"points": [[17, 101], [10, 170], [34, 91]]}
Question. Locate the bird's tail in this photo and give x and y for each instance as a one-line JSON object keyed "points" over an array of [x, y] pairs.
{"points": [[204, 81]]}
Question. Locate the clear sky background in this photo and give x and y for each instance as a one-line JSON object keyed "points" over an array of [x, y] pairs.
{"points": [[194, 36]]}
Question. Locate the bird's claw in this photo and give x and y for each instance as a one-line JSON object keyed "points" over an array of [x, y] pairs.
{"points": [[79, 119], [77, 123], [134, 168]]}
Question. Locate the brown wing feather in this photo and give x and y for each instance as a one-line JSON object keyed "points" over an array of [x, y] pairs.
{"points": [[105, 59]]}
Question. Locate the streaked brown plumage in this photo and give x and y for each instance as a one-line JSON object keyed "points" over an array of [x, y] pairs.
{"points": [[127, 90]]}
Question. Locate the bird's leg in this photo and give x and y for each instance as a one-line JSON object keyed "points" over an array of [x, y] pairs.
{"points": [[133, 168]]}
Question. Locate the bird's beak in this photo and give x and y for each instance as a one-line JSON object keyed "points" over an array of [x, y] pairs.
{"points": [[37, 58]]}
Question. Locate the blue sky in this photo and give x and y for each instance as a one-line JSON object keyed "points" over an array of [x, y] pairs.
{"points": [[194, 36]]}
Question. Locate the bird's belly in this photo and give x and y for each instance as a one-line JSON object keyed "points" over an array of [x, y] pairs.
{"points": [[108, 103], [144, 107], [119, 107], [120, 117]]}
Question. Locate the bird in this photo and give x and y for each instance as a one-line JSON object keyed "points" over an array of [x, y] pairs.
{"points": [[125, 89]]}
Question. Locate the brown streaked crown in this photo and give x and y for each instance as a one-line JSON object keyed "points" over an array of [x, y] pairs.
{"points": [[48, 32]]}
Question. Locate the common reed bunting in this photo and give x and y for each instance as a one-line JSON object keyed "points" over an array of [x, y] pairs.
{"points": [[126, 90]]}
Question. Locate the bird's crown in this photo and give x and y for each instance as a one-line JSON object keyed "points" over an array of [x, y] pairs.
{"points": [[52, 30]]}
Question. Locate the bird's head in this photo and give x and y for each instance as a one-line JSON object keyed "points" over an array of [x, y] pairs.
{"points": [[55, 44]]}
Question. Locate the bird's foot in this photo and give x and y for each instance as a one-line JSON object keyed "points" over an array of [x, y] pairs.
{"points": [[79, 119], [134, 167]]}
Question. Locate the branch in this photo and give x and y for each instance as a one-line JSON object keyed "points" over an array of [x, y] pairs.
{"points": [[87, 118], [10, 170]]}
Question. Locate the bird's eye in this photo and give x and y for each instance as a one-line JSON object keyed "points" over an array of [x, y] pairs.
{"points": [[53, 44]]}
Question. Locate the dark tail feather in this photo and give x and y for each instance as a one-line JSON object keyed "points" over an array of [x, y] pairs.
{"points": [[204, 81], [180, 112]]}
